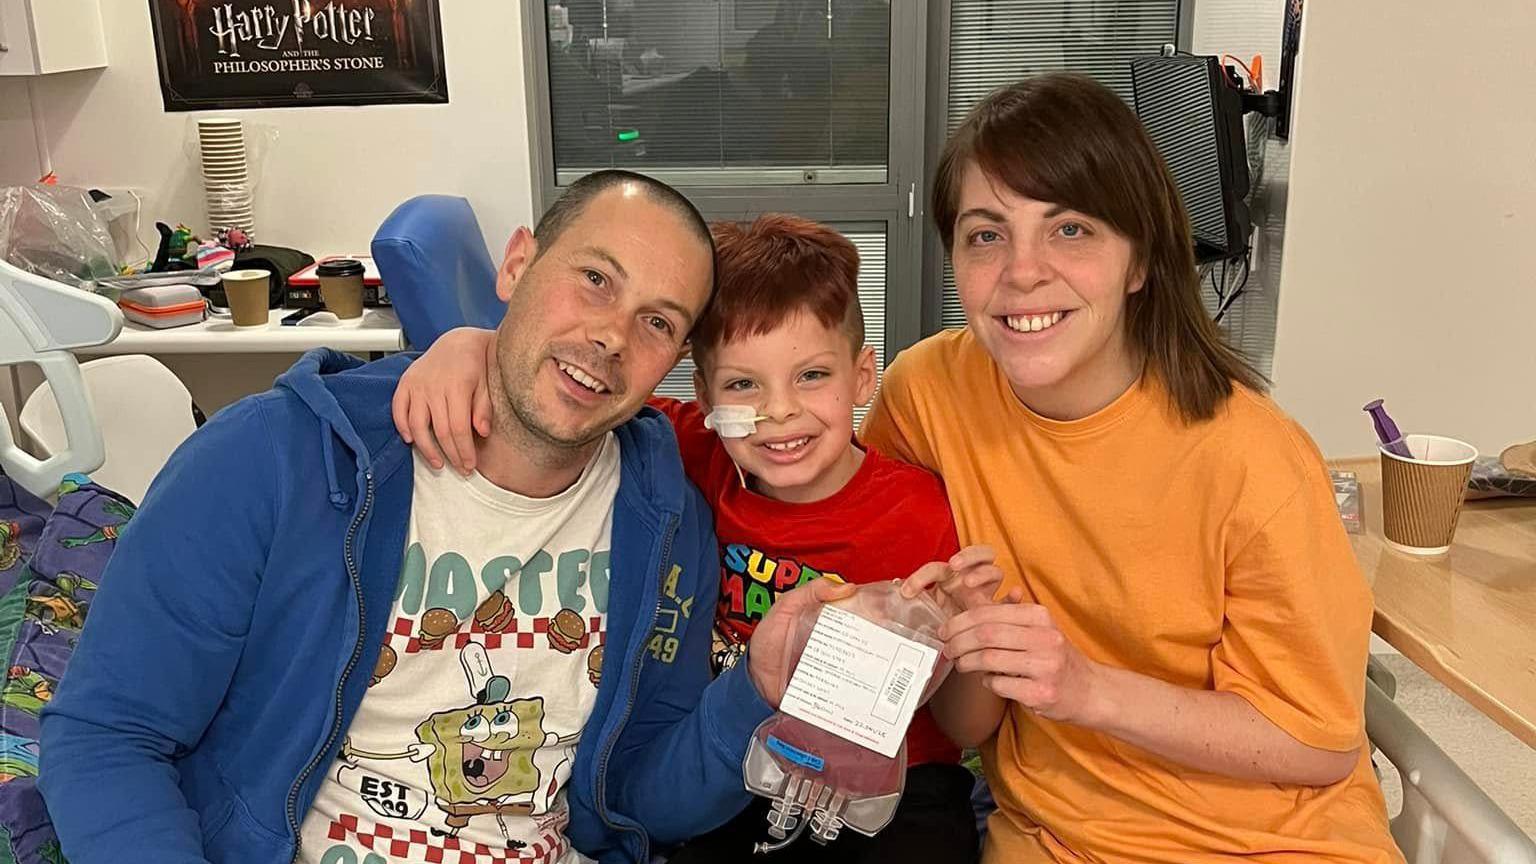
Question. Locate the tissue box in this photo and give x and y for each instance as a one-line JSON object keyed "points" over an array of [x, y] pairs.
{"points": [[162, 306]]}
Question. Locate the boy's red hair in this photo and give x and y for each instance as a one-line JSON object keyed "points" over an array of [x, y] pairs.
{"points": [[773, 268]]}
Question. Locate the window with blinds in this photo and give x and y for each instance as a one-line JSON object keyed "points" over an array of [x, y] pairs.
{"points": [[721, 92], [871, 245], [997, 42]]}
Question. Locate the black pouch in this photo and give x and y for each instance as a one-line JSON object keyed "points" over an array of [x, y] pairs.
{"points": [[279, 261]]}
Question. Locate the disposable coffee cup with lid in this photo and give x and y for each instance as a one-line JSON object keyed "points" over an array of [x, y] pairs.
{"points": [[341, 286]]}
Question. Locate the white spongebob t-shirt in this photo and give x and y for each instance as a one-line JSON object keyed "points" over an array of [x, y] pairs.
{"points": [[491, 659]]}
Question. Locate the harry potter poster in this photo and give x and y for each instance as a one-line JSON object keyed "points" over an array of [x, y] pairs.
{"points": [[269, 53]]}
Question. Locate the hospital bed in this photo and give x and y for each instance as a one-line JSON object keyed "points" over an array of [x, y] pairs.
{"points": [[1446, 818]]}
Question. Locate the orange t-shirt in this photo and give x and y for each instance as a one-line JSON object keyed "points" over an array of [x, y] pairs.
{"points": [[1210, 556]]}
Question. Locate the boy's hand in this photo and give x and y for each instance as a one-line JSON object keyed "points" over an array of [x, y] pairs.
{"points": [[768, 659], [442, 400], [1025, 657], [966, 581]]}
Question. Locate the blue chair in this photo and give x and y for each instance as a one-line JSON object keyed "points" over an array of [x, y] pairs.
{"points": [[432, 259]]}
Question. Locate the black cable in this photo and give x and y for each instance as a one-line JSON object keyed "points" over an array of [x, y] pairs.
{"points": [[1221, 311]]}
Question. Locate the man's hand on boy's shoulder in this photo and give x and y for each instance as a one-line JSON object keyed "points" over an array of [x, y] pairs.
{"points": [[768, 660]]}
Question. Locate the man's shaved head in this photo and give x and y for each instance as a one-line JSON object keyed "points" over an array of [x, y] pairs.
{"points": [[578, 195]]}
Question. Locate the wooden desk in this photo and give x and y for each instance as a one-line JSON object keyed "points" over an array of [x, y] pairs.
{"points": [[1467, 617]]}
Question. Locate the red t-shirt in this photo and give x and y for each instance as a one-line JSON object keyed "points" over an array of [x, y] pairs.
{"points": [[890, 519]]}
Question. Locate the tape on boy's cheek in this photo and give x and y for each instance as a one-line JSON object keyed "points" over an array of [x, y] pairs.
{"points": [[733, 421], [735, 428]]}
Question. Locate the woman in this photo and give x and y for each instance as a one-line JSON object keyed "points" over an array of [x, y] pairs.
{"points": [[1182, 680]]}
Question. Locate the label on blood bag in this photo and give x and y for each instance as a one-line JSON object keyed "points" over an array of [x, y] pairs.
{"points": [[803, 758], [859, 681]]}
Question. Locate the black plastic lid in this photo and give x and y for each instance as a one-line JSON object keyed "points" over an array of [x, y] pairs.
{"points": [[340, 267]]}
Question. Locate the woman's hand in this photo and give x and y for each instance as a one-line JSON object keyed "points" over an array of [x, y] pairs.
{"points": [[1024, 657], [964, 707], [966, 581], [442, 400]]}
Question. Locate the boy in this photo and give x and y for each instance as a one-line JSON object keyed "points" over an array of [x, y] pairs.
{"points": [[795, 499]]}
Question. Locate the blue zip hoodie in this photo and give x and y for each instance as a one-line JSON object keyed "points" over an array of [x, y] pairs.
{"points": [[241, 615]]}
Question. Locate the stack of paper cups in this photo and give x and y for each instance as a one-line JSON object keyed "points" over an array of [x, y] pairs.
{"points": [[1422, 493], [226, 174]]}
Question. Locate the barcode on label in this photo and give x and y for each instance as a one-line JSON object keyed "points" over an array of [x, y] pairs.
{"points": [[898, 686], [898, 681]]}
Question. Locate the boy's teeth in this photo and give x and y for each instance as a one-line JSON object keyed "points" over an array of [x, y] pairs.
{"points": [[582, 378], [1033, 323], [785, 446]]}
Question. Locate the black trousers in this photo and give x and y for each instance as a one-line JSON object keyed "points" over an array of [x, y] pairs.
{"points": [[933, 823]]}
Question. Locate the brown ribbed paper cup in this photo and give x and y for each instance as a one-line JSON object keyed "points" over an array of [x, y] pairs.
{"points": [[1422, 495], [247, 293]]}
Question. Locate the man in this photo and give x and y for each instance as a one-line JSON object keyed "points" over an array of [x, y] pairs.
{"points": [[311, 647]]}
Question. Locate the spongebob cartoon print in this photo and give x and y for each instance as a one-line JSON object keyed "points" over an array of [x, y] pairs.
{"points": [[492, 757]]}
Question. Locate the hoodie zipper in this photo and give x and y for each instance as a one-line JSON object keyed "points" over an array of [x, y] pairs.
{"points": [[629, 705], [357, 650]]}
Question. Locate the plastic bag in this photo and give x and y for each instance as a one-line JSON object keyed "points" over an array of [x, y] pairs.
{"points": [[1491, 479], [823, 780], [56, 232]]}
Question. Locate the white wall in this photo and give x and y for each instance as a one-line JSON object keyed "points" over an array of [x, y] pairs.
{"points": [[335, 173], [1410, 257]]}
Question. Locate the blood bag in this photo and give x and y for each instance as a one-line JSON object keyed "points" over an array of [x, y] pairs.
{"points": [[834, 754]]}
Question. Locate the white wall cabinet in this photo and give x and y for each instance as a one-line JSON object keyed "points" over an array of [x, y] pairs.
{"points": [[38, 37]]}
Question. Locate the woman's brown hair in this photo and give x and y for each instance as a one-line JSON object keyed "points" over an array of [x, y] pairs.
{"points": [[1068, 140]]}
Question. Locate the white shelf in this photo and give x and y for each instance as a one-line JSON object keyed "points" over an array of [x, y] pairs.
{"points": [[377, 331]]}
